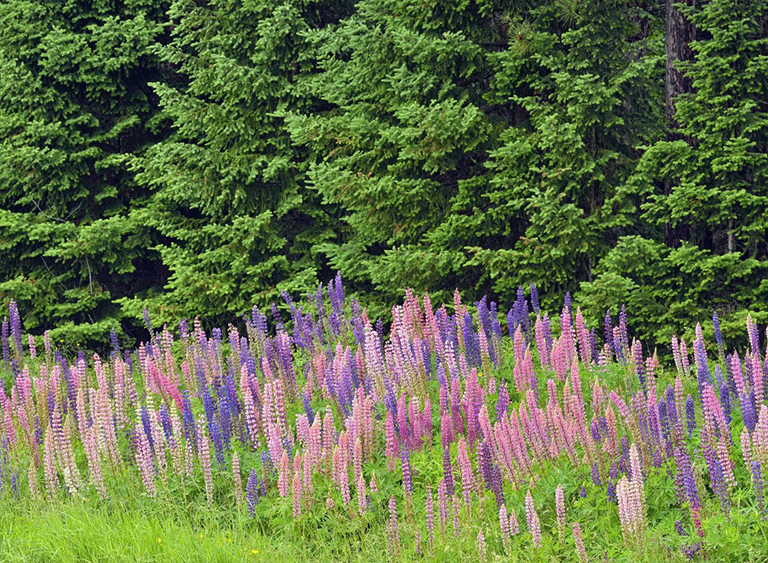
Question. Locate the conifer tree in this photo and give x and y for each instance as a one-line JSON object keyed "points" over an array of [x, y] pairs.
{"points": [[75, 105]]}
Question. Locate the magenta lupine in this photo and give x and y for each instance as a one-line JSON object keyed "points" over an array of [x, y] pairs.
{"points": [[534, 525], [578, 540]]}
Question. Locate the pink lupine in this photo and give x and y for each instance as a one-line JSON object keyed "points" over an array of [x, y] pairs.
{"points": [[514, 526], [373, 486], [94, 460], [393, 535], [284, 476], [357, 460], [581, 551], [237, 480], [534, 524], [430, 516], [482, 551], [442, 505], [746, 447], [49, 460], [456, 510], [504, 524], [144, 461], [560, 506], [297, 491], [250, 415], [468, 483], [307, 475], [362, 501], [204, 453]]}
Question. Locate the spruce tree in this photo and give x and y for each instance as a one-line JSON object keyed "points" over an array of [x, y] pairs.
{"points": [[75, 105], [236, 224]]}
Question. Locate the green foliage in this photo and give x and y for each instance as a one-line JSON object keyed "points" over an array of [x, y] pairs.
{"points": [[197, 158], [75, 104], [234, 223]]}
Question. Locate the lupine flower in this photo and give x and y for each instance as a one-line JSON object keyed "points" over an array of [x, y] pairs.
{"points": [[456, 510], [252, 493], [533, 520], [442, 505], [757, 484], [690, 415], [504, 524], [560, 506], [578, 540], [481, 547], [430, 516], [393, 535]]}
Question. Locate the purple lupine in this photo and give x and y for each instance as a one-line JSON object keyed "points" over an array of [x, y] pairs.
{"points": [[608, 335], [503, 402], [252, 493], [718, 335], [637, 353], [534, 298], [595, 474], [690, 415], [757, 484], [448, 472], [405, 463]]}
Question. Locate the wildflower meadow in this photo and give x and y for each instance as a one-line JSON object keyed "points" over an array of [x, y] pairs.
{"points": [[311, 432]]}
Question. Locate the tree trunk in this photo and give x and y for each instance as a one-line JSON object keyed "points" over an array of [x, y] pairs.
{"points": [[679, 34]]}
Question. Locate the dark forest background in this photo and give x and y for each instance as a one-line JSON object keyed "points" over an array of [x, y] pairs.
{"points": [[199, 157]]}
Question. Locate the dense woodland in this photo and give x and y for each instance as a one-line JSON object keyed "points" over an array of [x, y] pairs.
{"points": [[200, 157]]}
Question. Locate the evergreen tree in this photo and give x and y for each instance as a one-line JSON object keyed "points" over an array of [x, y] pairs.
{"points": [[475, 144], [74, 106], [717, 167], [235, 222]]}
